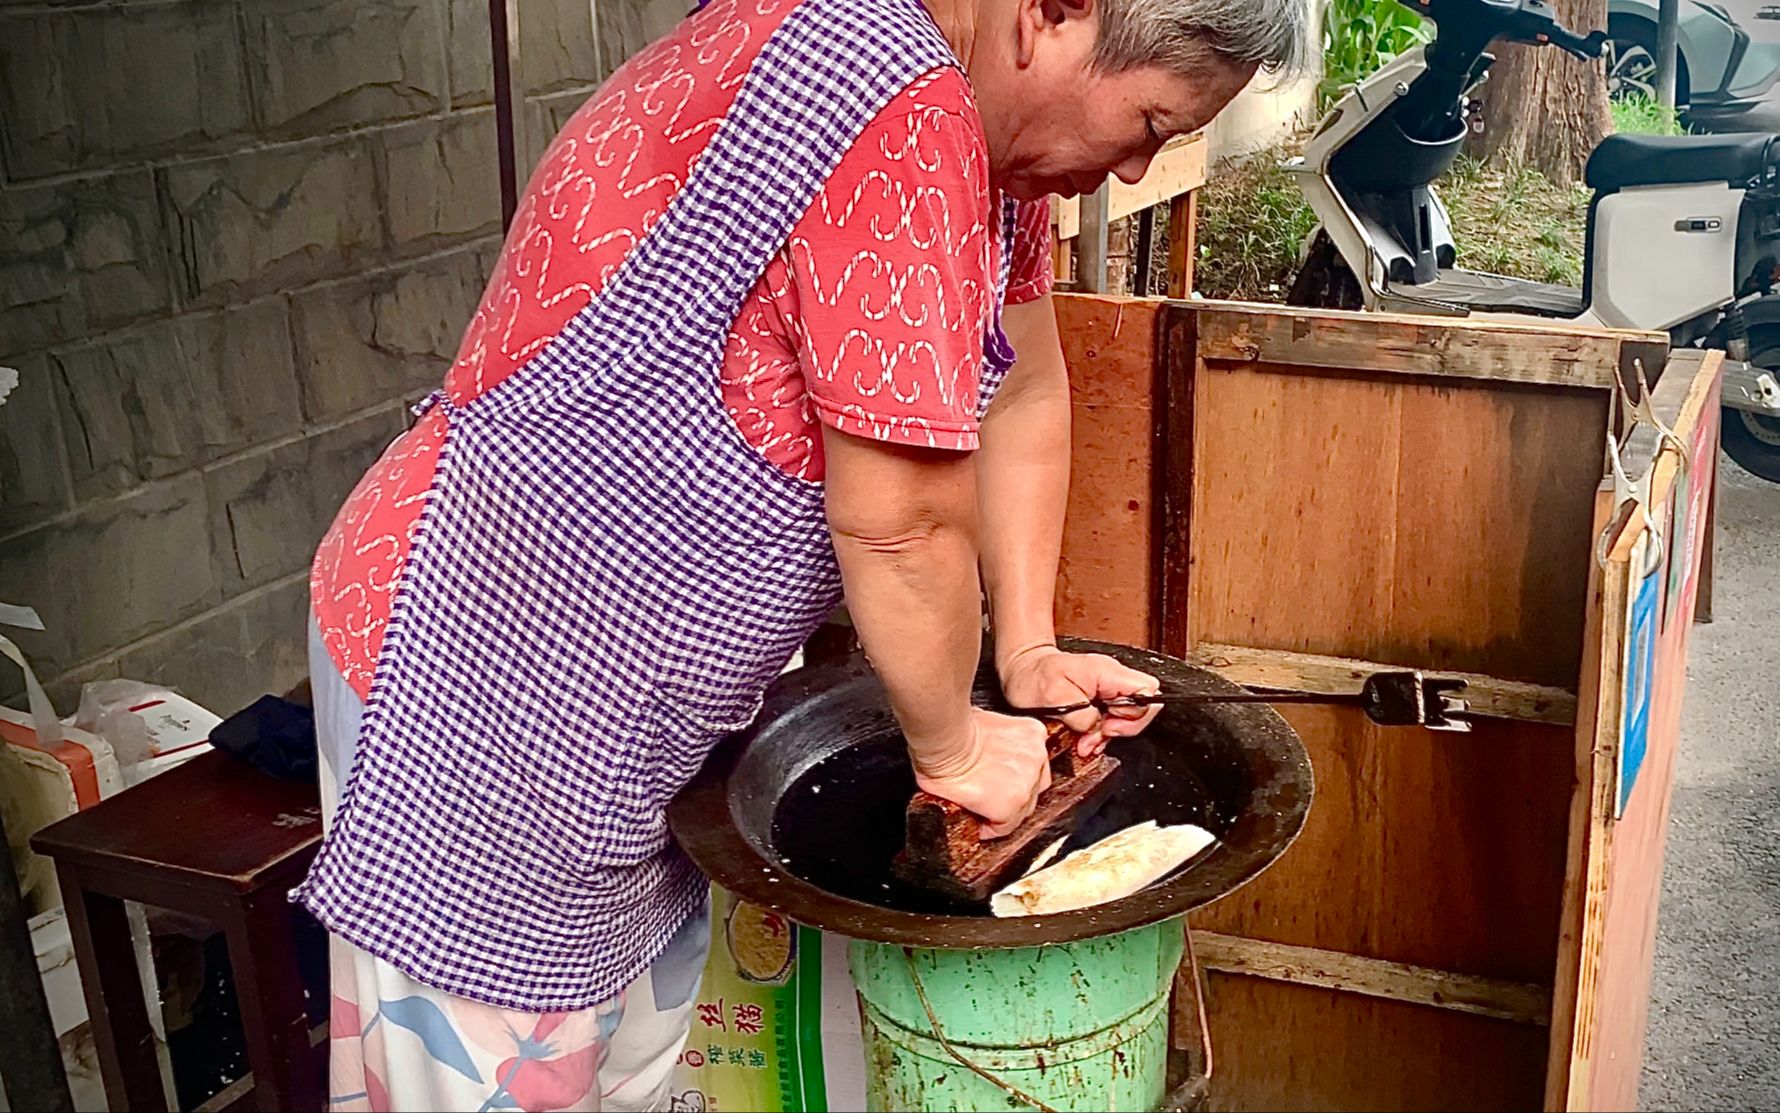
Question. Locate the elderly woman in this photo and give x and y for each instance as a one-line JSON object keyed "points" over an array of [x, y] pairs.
{"points": [[750, 346]]}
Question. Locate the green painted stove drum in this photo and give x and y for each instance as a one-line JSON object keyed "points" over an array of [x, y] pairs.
{"points": [[1079, 1026]]}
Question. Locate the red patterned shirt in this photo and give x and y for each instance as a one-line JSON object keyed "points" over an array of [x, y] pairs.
{"points": [[870, 319]]}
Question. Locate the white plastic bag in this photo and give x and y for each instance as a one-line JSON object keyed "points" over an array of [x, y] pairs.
{"points": [[150, 728]]}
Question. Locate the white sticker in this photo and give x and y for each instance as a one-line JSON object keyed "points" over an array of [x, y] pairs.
{"points": [[24, 618]]}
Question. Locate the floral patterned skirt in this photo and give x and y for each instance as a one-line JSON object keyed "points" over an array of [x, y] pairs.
{"points": [[394, 1044]]}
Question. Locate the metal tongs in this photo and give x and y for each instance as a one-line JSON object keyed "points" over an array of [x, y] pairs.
{"points": [[1391, 699]]}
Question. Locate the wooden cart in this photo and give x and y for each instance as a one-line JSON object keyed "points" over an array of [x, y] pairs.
{"points": [[1296, 497]]}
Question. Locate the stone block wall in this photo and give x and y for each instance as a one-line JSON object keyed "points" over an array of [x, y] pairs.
{"points": [[236, 238]]}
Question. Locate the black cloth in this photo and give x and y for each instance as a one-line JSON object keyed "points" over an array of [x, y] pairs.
{"points": [[273, 735]]}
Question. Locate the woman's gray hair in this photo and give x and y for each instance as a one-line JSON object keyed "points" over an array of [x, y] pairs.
{"points": [[1175, 34]]}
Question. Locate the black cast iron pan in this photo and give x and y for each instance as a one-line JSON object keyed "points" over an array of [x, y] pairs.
{"points": [[803, 811]]}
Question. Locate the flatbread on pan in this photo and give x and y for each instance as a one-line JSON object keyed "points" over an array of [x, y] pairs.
{"points": [[1113, 868]]}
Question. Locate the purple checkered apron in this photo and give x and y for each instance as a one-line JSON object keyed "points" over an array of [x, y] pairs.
{"points": [[605, 579]]}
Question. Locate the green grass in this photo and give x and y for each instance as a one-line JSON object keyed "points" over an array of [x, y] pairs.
{"points": [[1637, 115], [1250, 226], [1507, 220]]}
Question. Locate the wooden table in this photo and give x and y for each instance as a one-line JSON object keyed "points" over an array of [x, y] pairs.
{"points": [[213, 838]]}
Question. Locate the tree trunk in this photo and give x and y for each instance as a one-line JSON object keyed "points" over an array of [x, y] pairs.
{"points": [[1544, 108]]}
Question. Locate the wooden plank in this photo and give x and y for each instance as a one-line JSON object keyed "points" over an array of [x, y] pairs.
{"points": [[1435, 850], [1283, 1046], [1634, 884], [1183, 243], [1104, 580], [237, 1095], [1380, 515], [1178, 168], [1383, 344], [1309, 672], [1172, 468], [1384, 519], [1521, 1002], [1610, 899], [1623, 871], [1584, 865]]}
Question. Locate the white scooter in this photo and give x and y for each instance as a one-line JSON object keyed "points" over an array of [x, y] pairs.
{"points": [[1681, 230]]}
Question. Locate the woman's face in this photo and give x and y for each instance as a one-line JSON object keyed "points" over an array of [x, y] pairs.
{"points": [[1055, 124]]}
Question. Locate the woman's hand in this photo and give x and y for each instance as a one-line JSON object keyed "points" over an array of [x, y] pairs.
{"points": [[996, 771], [1045, 676]]}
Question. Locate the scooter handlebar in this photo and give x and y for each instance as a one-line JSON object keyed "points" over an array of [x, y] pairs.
{"points": [[1582, 46], [1477, 23], [1433, 107]]}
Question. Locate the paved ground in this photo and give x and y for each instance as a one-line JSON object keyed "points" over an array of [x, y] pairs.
{"points": [[1714, 1037]]}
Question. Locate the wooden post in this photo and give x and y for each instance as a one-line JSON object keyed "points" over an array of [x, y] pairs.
{"points": [[509, 102], [263, 953], [1183, 221], [1142, 250], [599, 55], [122, 1034], [1091, 244]]}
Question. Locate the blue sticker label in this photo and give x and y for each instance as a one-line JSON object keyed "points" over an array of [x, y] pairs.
{"points": [[1638, 677]]}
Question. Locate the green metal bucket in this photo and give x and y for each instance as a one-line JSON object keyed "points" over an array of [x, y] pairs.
{"points": [[1076, 1026]]}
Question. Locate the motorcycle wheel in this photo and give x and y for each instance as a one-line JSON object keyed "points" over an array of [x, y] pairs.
{"points": [[1324, 282], [1753, 440], [1630, 57]]}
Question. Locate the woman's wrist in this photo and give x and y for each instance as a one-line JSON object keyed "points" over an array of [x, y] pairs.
{"points": [[947, 754], [1014, 655]]}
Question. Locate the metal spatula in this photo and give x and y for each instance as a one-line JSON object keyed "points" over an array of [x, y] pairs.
{"points": [[1392, 699]]}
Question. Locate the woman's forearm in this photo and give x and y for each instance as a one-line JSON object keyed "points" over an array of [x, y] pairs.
{"points": [[1023, 483], [903, 522]]}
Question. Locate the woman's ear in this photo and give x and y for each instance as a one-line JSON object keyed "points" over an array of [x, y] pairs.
{"points": [[1038, 16]]}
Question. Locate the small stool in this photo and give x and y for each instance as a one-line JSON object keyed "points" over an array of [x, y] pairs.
{"points": [[217, 839]]}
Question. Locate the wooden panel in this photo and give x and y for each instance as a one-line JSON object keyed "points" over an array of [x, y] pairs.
{"points": [[1612, 898], [1278, 1046], [1307, 672], [1634, 886], [1521, 1002], [1585, 880], [1390, 509], [1105, 580], [1178, 168], [1284, 471], [1437, 850], [1382, 343], [1183, 243]]}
